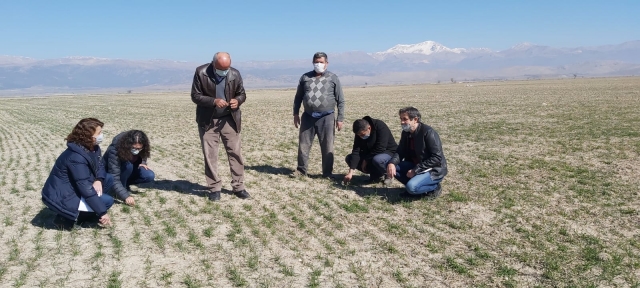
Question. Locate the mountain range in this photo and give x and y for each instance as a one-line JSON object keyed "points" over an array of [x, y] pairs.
{"points": [[425, 62]]}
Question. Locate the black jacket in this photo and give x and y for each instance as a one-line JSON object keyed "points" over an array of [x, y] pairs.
{"points": [[380, 141], [428, 149], [72, 177], [203, 93], [112, 166]]}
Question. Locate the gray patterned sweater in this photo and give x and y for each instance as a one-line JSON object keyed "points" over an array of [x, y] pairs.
{"points": [[319, 94]]}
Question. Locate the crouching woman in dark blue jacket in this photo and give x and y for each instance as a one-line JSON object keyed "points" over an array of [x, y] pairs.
{"points": [[78, 184]]}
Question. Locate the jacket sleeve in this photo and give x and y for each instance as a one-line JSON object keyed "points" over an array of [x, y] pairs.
{"points": [[433, 150], [382, 139], [113, 166], [82, 178], [399, 155], [355, 154], [196, 93], [241, 95], [339, 99], [297, 100]]}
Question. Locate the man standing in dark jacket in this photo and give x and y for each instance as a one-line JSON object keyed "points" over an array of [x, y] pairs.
{"points": [[218, 92], [419, 162], [373, 147]]}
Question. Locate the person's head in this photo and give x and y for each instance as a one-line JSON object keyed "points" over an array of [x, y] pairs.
{"points": [[320, 62], [133, 142], [222, 63], [362, 128], [409, 119], [87, 133]]}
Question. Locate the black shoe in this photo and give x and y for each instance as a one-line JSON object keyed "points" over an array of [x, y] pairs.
{"points": [[64, 223], [214, 196], [297, 173], [435, 193], [242, 194]]}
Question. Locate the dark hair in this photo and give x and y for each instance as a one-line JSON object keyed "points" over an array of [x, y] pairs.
{"points": [[319, 55], [360, 125], [411, 112], [82, 134], [126, 141]]}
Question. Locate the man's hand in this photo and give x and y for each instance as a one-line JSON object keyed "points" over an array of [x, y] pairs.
{"points": [[129, 201], [347, 178], [144, 166], [220, 103], [105, 220], [391, 171], [411, 173], [339, 125], [296, 120], [98, 186], [364, 166], [233, 103]]}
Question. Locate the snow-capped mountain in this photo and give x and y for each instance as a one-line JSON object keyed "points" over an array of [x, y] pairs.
{"points": [[428, 61], [425, 48]]}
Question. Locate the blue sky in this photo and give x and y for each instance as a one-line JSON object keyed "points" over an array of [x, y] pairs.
{"points": [[269, 30]]}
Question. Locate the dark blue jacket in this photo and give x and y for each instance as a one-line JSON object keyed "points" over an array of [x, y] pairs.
{"points": [[72, 177]]}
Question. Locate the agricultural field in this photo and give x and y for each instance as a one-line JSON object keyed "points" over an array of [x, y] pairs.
{"points": [[543, 191]]}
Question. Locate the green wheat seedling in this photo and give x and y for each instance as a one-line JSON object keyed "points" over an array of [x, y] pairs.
{"points": [[541, 182]]}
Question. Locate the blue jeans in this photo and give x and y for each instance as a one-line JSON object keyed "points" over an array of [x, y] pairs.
{"points": [[132, 173], [376, 169], [419, 184]]}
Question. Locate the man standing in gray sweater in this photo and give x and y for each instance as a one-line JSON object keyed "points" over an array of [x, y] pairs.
{"points": [[320, 92]]}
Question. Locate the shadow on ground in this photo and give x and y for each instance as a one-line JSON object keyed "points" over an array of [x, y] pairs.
{"points": [[44, 219], [270, 169], [360, 185], [180, 186]]}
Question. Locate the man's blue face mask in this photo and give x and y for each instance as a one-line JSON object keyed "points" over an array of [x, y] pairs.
{"points": [[222, 73]]}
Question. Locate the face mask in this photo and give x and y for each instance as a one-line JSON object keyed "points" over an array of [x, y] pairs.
{"points": [[365, 137], [406, 127], [135, 151], [222, 73], [319, 67], [99, 139]]}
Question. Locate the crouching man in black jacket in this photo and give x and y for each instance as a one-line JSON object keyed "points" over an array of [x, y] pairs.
{"points": [[373, 147], [419, 162]]}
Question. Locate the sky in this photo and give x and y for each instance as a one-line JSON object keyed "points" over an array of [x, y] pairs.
{"points": [[272, 30]]}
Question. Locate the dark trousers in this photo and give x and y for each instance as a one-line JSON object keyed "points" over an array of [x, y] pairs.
{"points": [[132, 173], [377, 168], [324, 127]]}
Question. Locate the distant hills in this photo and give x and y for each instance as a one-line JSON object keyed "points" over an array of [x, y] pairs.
{"points": [[424, 62]]}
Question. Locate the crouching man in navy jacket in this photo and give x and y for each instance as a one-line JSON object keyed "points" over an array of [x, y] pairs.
{"points": [[78, 184]]}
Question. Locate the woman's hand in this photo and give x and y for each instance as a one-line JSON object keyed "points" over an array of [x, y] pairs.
{"points": [[98, 186], [105, 220], [129, 201]]}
